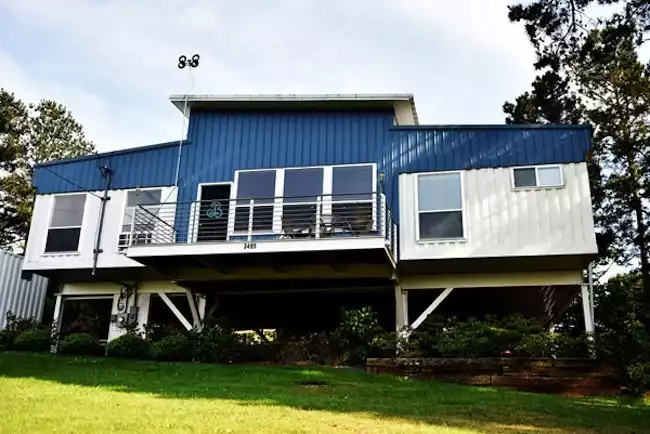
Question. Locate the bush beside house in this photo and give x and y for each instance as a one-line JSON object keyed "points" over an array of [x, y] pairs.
{"points": [[80, 344]]}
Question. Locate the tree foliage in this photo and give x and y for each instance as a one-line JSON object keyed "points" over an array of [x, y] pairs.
{"points": [[590, 71], [30, 134]]}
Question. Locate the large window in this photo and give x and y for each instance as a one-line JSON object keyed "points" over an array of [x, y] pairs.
{"points": [[146, 219], [537, 176], [286, 200], [302, 187], [65, 224], [440, 206], [352, 183], [258, 185]]}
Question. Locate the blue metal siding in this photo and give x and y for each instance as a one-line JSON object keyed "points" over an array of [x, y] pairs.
{"points": [[219, 143], [225, 142], [147, 168], [448, 148]]}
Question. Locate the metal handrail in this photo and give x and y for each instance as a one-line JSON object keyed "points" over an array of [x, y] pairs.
{"points": [[259, 219]]}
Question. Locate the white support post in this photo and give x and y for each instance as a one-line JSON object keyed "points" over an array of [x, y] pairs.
{"points": [[586, 309], [590, 274], [201, 306], [58, 317], [401, 308], [433, 306], [251, 209], [317, 229], [175, 310], [195, 313]]}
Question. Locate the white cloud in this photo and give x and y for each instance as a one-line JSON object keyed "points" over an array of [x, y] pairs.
{"points": [[114, 63]]}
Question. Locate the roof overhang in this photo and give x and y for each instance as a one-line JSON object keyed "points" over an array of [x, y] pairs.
{"points": [[402, 104]]}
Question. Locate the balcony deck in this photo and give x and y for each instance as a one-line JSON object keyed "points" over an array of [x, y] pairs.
{"points": [[278, 232]]}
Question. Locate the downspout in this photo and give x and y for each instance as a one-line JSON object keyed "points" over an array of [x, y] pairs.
{"points": [[106, 173]]}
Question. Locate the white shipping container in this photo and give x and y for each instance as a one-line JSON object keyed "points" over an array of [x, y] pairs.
{"points": [[23, 297], [502, 221]]}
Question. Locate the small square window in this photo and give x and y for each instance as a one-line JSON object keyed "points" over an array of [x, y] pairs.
{"points": [[549, 176], [525, 177], [540, 176]]}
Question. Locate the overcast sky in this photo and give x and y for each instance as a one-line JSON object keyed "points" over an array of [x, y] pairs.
{"points": [[114, 63]]}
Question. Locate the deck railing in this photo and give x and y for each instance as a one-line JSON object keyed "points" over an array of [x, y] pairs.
{"points": [[261, 219]]}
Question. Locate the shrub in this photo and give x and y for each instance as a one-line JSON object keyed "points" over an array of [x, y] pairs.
{"points": [[175, 347], [7, 338], [322, 348], [571, 346], [82, 344], [129, 345], [19, 324], [257, 352], [536, 345], [638, 378], [477, 339], [33, 340], [213, 343], [355, 334], [394, 344]]}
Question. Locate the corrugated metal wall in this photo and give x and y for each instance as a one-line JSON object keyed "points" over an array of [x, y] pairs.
{"points": [[222, 142], [24, 298], [425, 149], [148, 167], [502, 222]]}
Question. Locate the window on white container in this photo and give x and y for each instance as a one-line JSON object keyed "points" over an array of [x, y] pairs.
{"points": [[148, 202], [440, 206], [65, 224], [538, 176]]}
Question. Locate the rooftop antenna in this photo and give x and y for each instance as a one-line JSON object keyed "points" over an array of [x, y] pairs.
{"points": [[190, 63]]}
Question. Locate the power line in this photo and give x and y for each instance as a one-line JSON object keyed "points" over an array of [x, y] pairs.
{"points": [[70, 182]]}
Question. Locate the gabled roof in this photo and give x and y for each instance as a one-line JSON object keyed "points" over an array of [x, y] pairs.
{"points": [[402, 104]]}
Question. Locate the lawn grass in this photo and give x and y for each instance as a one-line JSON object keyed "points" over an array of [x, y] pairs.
{"points": [[45, 393]]}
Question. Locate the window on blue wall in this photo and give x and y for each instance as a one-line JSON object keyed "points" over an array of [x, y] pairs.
{"points": [[258, 185], [302, 188], [65, 223], [537, 176], [352, 183], [440, 206]]}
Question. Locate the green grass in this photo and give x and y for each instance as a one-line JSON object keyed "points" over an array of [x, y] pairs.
{"points": [[44, 393]]}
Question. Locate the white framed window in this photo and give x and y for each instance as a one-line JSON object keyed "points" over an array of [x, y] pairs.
{"points": [[287, 197], [440, 206], [143, 228], [258, 185], [66, 218], [537, 176]]}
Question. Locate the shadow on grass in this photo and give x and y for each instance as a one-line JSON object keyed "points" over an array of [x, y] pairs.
{"points": [[340, 390]]}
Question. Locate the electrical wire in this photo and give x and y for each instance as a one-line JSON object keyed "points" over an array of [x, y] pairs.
{"points": [[180, 142], [70, 182]]}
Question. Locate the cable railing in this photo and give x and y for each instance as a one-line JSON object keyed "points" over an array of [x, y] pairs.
{"points": [[261, 219]]}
